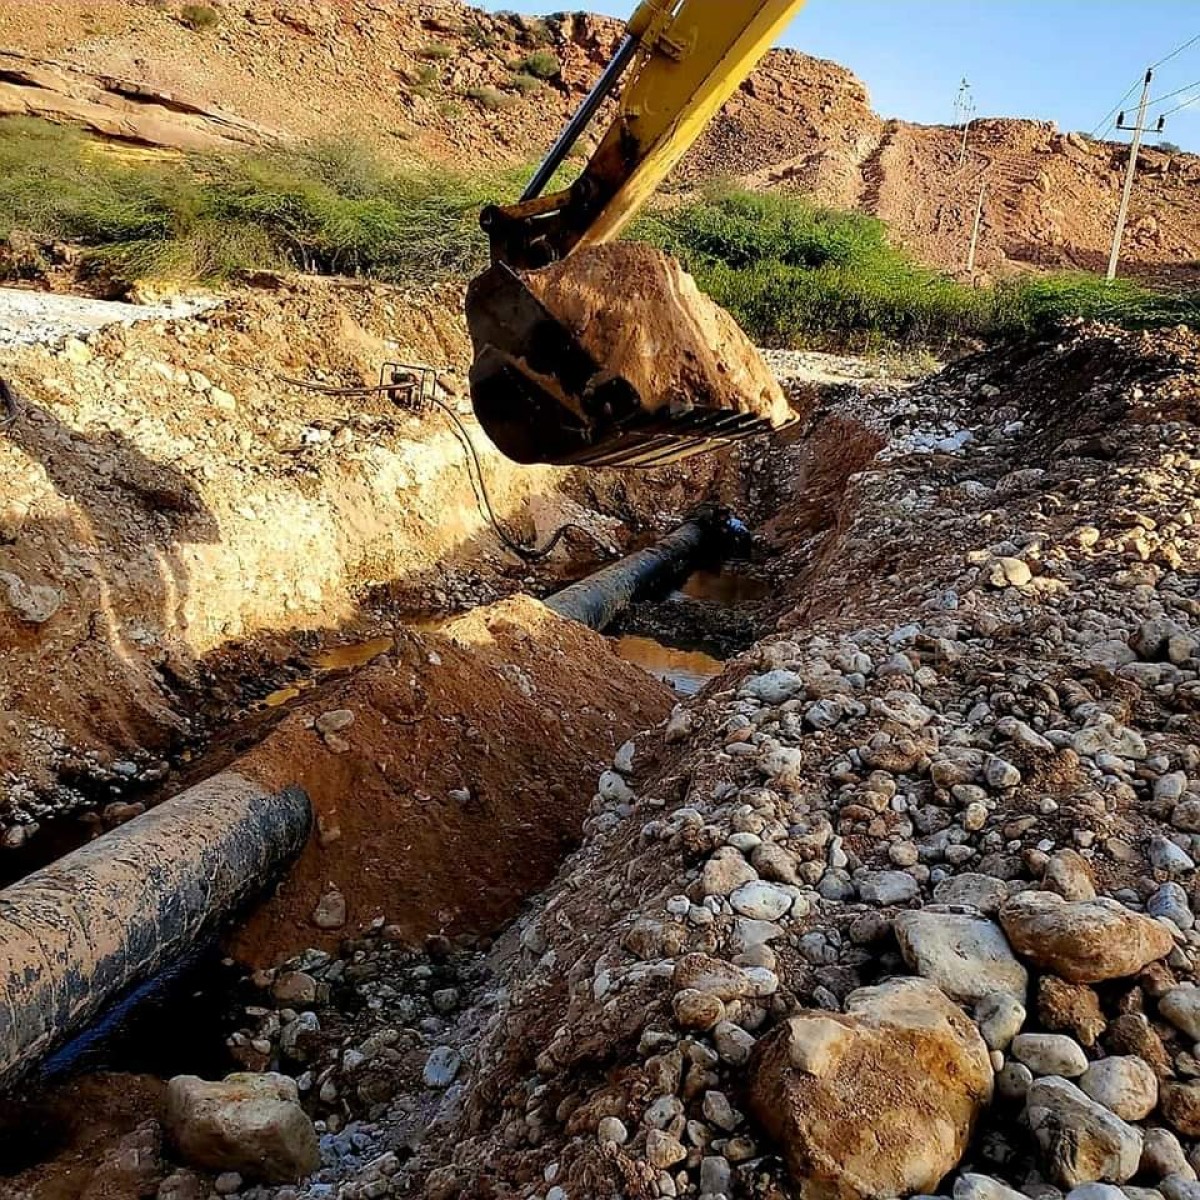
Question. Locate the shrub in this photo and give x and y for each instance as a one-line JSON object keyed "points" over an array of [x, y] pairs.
{"points": [[328, 209], [426, 79], [489, 98], [199, 16], [541, 64], [525, 84], [437, 51], [480, 38], [793, 273]]}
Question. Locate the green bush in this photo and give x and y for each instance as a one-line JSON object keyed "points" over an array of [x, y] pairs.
{"points": [[490, 98], [525, 84], [199, 16], [793, 273], [438, 51], [426, 79], [324, 208], [541, 64]]}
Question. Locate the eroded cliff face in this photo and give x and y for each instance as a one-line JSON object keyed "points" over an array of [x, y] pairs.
{"points": [[450, 83]]}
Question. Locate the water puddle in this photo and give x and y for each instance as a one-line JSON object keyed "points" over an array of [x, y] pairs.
{"points": [[687, 671], [337, 658], [723, 587], [356, 654]]}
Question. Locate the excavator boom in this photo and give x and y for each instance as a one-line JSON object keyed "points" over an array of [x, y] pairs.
{"points": [[538, 390]]}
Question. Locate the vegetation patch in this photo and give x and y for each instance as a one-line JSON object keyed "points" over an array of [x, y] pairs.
{"points": [[327, 209], [490, 98], [541, 64], [200, 16], [794, 273], [791, 272], [437, 51], [525, 84]]}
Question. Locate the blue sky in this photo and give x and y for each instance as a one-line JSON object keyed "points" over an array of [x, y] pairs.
{"points": [[1067, 61]]}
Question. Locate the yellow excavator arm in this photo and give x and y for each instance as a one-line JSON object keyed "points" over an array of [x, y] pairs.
{"points": [[536, 390]]}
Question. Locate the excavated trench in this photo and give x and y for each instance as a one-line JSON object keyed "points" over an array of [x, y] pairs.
{"points": [[454, 794], [679, 637]]}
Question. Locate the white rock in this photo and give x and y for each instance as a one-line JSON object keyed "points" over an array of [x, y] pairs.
{"points": [[761, 901], [1050, 1054], [983, 1187], [1124, 1084], [966, 956], [999, 1016], [1181, 1006], [887, 887], [774, 687]]}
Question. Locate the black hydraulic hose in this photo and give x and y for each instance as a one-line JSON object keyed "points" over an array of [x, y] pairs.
{"points": [[527, 553]]}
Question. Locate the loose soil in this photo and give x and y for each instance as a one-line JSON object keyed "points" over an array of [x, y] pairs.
{"points": [[456, 791], [641, 315]]}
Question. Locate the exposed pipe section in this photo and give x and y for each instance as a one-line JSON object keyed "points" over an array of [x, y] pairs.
{"points": [[78, 934], [599, 599]]}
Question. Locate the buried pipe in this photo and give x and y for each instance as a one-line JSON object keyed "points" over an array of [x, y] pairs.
{"points": [[78, 934], [597, 601]]}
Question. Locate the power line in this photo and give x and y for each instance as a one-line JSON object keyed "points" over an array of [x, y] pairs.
{"points": [[1178, 50], [1187, 87], [1186, 104], [1108, 119]]}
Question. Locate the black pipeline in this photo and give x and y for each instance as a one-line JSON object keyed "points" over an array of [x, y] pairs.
{"points": [[708, 535], [78, 934]]}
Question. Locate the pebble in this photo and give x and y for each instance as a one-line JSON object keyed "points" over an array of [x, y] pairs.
{"points": [[1050, 1054], [442, 1067]]}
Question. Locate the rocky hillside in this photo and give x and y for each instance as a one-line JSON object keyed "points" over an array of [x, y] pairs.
{"points": [[442, 80]]}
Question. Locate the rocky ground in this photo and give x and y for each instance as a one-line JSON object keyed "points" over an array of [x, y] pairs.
{"points": [[901, 903]]}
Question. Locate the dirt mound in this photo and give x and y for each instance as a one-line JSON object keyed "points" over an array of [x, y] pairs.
{"points": [[640, 314], [447, 781]]}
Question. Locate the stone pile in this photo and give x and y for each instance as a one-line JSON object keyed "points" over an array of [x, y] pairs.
{"points": [[904, 902]]}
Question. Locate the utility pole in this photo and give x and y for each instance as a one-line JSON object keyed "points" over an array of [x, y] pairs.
{"points": [[1138, 128], [975, 230], [962, 150], [964, 110], [961, 100]]}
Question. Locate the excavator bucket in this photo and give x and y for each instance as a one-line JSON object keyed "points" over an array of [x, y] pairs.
{"points": [[607, 360]]}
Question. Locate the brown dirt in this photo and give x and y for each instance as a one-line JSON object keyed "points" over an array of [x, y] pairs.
{"points": [[638, 312], [198, 523], [402, 76], [491, 703], [72, 1128]]}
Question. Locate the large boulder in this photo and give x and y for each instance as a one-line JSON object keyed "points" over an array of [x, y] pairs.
{"points": [[1080, 1141], [251, 1124], [966, 956], [877, 1101], [1083, 941]]}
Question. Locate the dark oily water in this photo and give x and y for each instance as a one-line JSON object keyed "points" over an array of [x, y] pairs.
{"points": [[687, 671]]}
